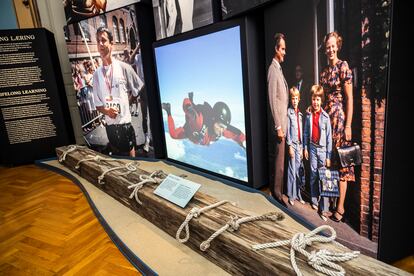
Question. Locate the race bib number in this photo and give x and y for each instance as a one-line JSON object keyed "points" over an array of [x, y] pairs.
{"points": [[113, 103]]}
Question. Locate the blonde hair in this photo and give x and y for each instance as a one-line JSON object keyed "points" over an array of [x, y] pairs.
{"points": [[338, 39], [294, 92], [317, 91]]}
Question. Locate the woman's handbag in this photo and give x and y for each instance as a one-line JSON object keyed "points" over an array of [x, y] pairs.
{"points": [[328, 182], [350, 155]]}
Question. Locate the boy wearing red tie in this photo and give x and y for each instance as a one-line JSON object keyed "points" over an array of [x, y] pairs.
{"points": [[318, 146]]}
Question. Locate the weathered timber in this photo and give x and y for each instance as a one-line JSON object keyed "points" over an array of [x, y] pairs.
{"points": [[231, 250]]}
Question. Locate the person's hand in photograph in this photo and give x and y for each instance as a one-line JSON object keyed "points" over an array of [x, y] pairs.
{"points": [[348, 133], [112, 112], [280, 134], [291, 152]]}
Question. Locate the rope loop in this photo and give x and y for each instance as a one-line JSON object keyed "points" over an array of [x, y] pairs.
{"points": [[94, 158], [144, 179], [129, 167], [322, 260], [195, 212], [70, 149], [234, 224]]}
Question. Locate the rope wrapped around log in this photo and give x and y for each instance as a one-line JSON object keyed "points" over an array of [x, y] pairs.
{"points": [[70, 149], [234, 223], [195, 213], [96, 158], [129, 167], [322, 260], [144, 179]]}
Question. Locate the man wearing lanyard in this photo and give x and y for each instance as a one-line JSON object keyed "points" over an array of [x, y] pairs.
{"points": [[112, 82]]}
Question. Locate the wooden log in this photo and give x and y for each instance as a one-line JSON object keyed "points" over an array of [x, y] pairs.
{"points": [[231, 250]]}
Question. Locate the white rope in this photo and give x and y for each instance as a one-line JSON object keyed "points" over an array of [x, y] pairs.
{"points": [[129, 167], [144, 179], [320, 260], [195, 213], [94, 158], [69, 150], [234, 223]]}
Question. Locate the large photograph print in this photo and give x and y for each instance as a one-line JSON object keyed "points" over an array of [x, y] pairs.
{"points": [[173, 17], [108, 78], [332, 116], [77, 10], [201, 88]]}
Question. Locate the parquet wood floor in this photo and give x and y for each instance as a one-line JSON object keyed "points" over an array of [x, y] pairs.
{"points": [[48, 228]]}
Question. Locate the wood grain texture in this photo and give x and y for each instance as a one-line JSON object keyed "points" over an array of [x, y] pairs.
{"points": [[231, 251], [48, 228]]}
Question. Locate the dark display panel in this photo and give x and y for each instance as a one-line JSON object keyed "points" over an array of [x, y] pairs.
{"points": [[231, 8], [34, 113]]}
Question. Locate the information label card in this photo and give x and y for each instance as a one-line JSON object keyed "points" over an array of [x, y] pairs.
{"points": [[177, 190]]}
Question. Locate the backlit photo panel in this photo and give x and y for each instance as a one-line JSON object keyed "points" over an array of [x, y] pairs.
{"points": [[201, 89]]}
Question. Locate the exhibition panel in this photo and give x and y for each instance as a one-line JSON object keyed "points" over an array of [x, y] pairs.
{"points": [[93, 69], [201, 89], [206, 85], [34, 112], [343, 48]]}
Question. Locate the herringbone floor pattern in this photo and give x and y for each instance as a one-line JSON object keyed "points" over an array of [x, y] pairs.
{"points": [[48, 228]]}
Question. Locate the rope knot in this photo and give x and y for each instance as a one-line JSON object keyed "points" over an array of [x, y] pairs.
{"points": [[195, 212], [233, 223], [68, 150], [317, 257], [149, 178], [131, 167], [300, 241], [144, 179], [322, 260]]}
